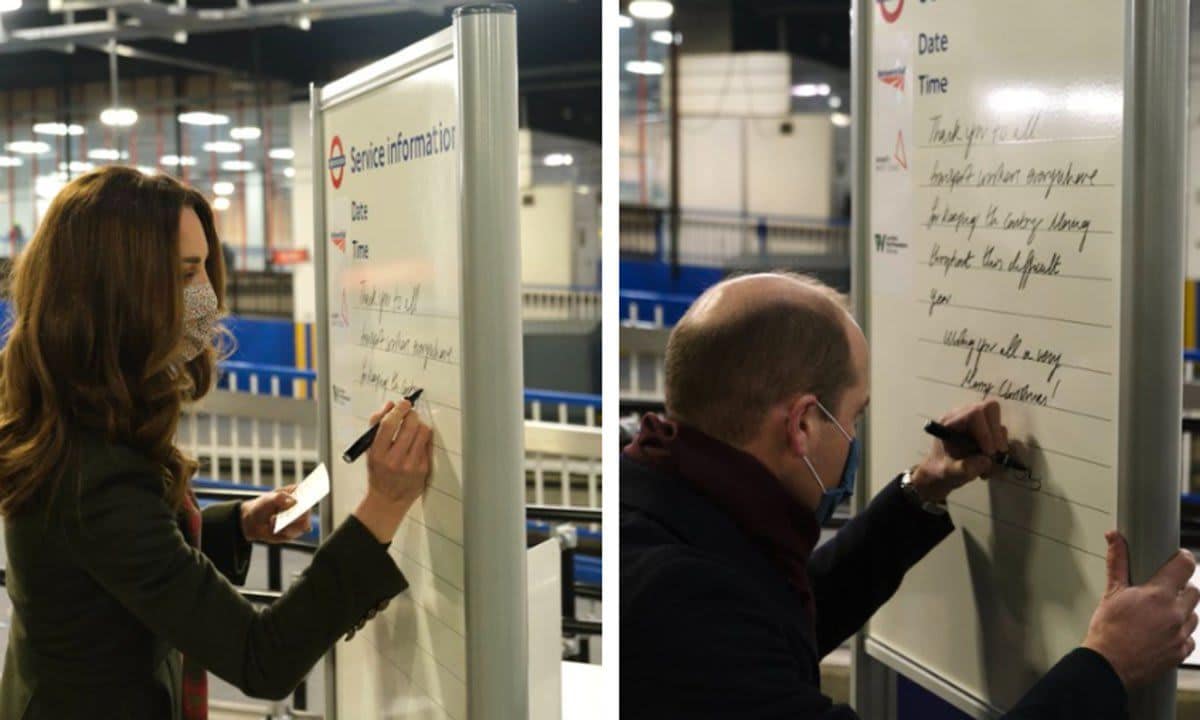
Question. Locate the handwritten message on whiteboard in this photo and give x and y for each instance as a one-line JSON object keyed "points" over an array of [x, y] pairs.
{"points": [[995, 272], [393, 282]]}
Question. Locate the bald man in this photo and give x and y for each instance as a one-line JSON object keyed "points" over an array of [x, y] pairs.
{"points": [[728, 606]]}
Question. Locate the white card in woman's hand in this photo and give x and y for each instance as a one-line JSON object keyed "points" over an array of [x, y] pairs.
{"points": [[307, 494]]}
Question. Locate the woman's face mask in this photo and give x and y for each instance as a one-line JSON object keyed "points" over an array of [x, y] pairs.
{"points": [[200, 315]]}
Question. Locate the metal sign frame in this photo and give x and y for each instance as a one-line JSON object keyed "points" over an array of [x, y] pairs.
{"points": [[1154, 191], [483, 43]]}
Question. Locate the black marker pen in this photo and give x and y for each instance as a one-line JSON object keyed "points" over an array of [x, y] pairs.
{"points": [[968, 445], [360, 445]]}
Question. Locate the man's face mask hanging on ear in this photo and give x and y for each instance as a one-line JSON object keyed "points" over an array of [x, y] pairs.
{"points": [[832, 497]]}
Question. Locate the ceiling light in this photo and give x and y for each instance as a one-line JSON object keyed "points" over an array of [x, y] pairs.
{"points": [[9, 5], [147, 170], [176, 160], [558, 160], [282, 154], [77, 166], [57, 128], [203, 118], [119, 117], [289, 172], [237, 166], [245, 133], [663, 37], [223, 187], [47, 186], [28, 147], [7, 161], [835, 102], [644, 67], [624, 21], [222, 146], [107, 154], [840, 119], [811, 90], [651, 9], [221, 203]]}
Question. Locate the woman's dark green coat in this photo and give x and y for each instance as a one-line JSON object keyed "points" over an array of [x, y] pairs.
{"points": [[106, 592]]}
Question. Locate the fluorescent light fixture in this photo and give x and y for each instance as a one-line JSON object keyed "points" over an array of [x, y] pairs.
{"points": [[222, 147], [147, 170], [835, 102], [663, 37], [840, 119], [304, 23], [289, 172], [176, 160], [77, 166], [223, 187], [9, 5], [624, 22], [651, 9], [200, 117], [221, 203], [644, 67], [106, 154], [237, 166], [28, 147], [57, 128], [119, 117], [8, 161], [282, 154], [245, 133], [558, 160], [811, 90]]}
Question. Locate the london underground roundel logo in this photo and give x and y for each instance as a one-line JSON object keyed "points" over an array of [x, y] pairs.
{"points": [[890, 14], [337, 162]]}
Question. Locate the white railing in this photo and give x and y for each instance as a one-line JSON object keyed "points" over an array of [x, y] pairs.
{"points": [[560, 303], [243, 435]]}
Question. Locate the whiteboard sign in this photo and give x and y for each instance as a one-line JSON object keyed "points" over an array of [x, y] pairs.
{"points": [[401, 179], [995, 236]]}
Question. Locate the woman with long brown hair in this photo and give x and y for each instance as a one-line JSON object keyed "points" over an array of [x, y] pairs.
{"points": [[122, 590]]}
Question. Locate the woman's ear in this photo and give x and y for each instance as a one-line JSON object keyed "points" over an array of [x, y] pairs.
{"points": [[800, 424]]}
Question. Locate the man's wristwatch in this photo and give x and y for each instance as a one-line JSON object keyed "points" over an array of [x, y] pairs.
{"points": [[910, 491]]}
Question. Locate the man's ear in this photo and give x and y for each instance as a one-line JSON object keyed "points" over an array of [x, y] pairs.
{"points": [[800, 421]]}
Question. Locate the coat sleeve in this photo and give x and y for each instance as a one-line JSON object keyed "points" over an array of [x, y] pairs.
{"points": [[861, 567], [125, 536], [221, 540], [1082, 686], [697, 641]]}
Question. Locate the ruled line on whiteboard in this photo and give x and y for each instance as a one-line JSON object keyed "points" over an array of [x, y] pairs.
{"points": [[1043, 448], [1018, 314], [939, 343], [430, 570], [417, 356], [1078, 413], [1002, 521], [412, 680], [435, 316], [1097, 278], [1034, 141], [969, 186], [1027, 231]]}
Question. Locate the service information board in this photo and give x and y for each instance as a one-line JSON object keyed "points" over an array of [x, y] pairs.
{"points": [[995, 174], [394, 299]]}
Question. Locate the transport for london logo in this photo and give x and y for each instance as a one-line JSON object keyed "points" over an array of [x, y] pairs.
{"points": [[894, 77], [337, 162], [890, 9]]}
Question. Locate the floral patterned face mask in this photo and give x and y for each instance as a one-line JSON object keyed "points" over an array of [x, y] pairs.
{"points": [[200, 315]]}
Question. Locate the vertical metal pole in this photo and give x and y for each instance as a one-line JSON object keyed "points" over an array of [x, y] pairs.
{"points": [[485, 47], [675, 159], [1154, 224], [872, 684], [321, 327]]}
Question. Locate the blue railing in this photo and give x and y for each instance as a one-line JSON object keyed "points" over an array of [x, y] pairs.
{"points": [[673, 305]]}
